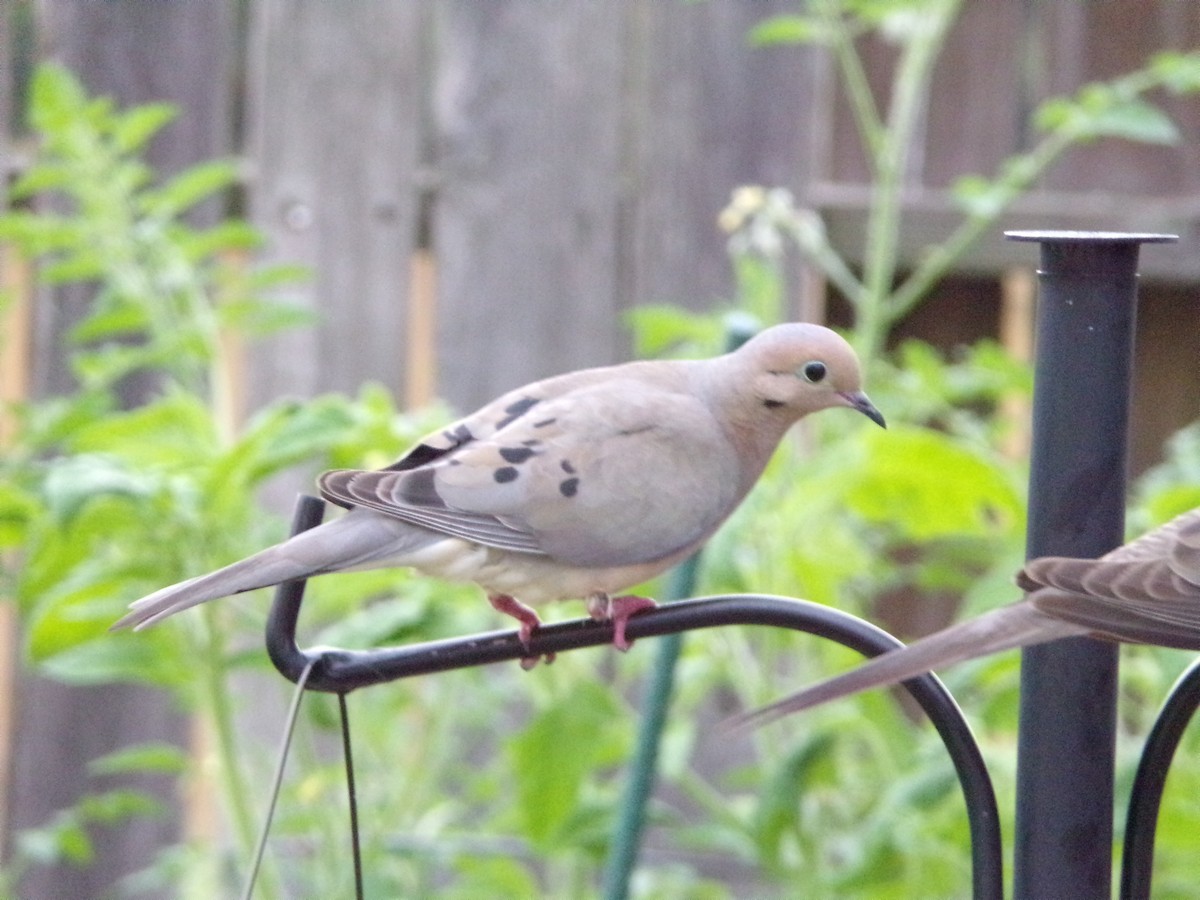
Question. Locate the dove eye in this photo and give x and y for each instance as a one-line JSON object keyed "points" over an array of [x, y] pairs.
{"points": [[813, 372]]}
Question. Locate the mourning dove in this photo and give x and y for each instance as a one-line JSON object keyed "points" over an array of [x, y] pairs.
{"points": [[1145, 592], [577, 486]]}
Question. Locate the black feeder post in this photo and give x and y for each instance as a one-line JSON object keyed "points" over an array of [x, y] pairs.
{"points": [[1087, 303]]}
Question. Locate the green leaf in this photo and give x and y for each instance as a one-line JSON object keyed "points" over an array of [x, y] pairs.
{"points": [[150, 757], [42, 176], [789, 30], [1099, 111], [1136, 120], [779, 801], [929, 485], [173, 433], [55, 96], [378, 624], [277, 275], [665, 330], [81, 265], [63, 840], [578, 731], [118, 805], [191, 186], [233, 234], [73, 481], [134, 127], [122, 321], [495, 877], [110, 659], [18, 507], [1172, 500], [257, 318], [1179, 72], [979, 196], [39, 233]]}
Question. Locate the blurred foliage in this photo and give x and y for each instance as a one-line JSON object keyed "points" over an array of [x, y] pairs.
{"points": [[496, 782], [102, 500], [881, 295]]}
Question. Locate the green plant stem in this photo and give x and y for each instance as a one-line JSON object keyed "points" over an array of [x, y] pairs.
{"points": [[234, 782], [858, 89], [816, 248], [943, 256], [1019, 178], [627, 834], [909, 92]]}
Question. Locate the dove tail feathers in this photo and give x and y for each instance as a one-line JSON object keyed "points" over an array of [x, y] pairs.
{"points": [[357, 540], [1002, 629]]}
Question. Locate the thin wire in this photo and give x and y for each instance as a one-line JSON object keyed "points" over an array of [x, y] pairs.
{"points": [[284, 748], [355, 846]]}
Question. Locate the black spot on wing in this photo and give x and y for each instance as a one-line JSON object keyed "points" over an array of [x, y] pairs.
{"points": [[516, 410], [545, 422], [505, 474], [567, 467], [569, 487], [419, 489], [772, 404], [516, 455]]}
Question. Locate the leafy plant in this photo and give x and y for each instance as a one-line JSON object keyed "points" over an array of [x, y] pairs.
{"points": [[100, 500], [917, 30]]}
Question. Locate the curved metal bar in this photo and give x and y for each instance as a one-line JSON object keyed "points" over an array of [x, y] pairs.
{"points": [[1141, 823], [341, 671]]}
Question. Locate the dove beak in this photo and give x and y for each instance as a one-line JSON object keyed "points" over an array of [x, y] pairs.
{"points": [[860, 401]]}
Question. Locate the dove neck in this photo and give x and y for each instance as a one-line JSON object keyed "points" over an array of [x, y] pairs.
{"points": [[753, 429]]}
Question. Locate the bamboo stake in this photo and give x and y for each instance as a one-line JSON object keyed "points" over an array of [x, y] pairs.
{"points": [[1018, 299], [421, 373], [202, 823], [16, 287]]}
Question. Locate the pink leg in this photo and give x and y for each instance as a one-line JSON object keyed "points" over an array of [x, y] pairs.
{"points": [[618, 610], [529, 620]]}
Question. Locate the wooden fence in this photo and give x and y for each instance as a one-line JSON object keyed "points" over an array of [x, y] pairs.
{"points": [[481, 189]]}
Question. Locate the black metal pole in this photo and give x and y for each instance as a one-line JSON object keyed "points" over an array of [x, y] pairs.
{"points": [[1065, 747]]}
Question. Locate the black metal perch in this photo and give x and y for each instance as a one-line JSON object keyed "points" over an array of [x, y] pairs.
{"points": [[339, 671], [1063, 839]]}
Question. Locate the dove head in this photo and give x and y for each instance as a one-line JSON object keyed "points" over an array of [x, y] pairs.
{"points": [[798, 368]]}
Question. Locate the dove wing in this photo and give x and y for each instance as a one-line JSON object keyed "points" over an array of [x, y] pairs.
{"points": [[615, 472]]}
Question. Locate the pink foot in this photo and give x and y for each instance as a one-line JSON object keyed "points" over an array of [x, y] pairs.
{"points": [[529, 620], [618, 610]]}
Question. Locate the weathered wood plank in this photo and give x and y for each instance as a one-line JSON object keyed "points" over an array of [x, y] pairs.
{"points": [[708, 113], [335, 137], [975, 118], [527, 105]]}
